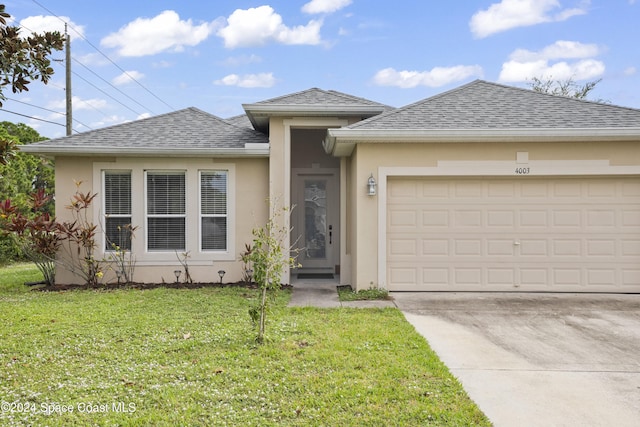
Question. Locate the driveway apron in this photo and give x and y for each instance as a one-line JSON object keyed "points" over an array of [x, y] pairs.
{"points": [[537, 359]]}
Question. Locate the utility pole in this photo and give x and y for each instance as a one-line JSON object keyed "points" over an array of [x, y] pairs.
{"points": [[68, 78]]}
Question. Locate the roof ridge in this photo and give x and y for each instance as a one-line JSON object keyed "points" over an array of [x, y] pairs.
{"points": [[399, 110], [289, 95]]}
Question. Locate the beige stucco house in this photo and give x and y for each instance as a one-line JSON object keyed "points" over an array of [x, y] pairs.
{"points": [[482, 188]]}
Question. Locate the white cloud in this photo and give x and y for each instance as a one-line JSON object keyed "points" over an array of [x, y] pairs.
{"points": [[248, 80], [524, 64], [261, 25], [630, 71], [436, 77], [585, 69], [40, 24], [78, 104], [164, 32], [519, 13], [560, 49], [325, 6], [127, 77]]}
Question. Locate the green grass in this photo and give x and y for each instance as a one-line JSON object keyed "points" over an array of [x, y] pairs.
{"points": [[345, 293], [188, 357]]}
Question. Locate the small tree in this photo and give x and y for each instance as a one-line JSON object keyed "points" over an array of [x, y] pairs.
{"points": [[270, 255], [80, 239], [566, 87], [38, 236], [23, 60]]}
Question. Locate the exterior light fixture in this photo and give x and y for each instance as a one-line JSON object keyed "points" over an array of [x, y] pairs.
{"points": [[177, 273], [371, 186], [250, 274], [221, 273], [119, 275]]}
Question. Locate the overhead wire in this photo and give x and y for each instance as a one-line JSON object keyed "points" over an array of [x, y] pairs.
{"points": [[51, 111], [106, 57], [133, 79]]}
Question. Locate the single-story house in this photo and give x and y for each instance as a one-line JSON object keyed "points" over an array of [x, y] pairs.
{"points": [[484, 187]]}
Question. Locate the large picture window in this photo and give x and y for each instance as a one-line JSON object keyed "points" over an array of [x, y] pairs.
{"points": [[213, 210], [166, 211], [117, 208]]}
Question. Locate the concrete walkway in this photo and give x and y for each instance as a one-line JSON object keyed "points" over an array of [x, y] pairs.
{"points": [[324, 294]]}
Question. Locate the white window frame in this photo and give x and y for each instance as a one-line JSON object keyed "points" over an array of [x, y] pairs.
{"points": [[191, 167], [183, 215], [202, 215], [104, 204]]}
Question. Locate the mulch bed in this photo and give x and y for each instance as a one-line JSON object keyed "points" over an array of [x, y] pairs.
{"points": [[143, 286]]}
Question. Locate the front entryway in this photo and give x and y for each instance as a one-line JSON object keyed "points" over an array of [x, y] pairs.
{"points": [[315, 220]]}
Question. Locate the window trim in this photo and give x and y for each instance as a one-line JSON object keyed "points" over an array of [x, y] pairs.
{"points": [[137, 166], [105, 215], [147, 216], [201, 215]]}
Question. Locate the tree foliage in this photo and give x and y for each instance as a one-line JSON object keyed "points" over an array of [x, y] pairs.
{"points": [[568, 87], [270, 255], [23, 60], [24, 175]]}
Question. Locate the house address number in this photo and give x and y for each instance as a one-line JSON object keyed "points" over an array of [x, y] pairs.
{"points": [[522, 171]]}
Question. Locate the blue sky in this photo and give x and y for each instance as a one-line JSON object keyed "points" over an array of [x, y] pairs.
{"points": [[140, 58]]}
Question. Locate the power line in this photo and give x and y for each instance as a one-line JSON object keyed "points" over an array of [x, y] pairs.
{"points": [[105, 93], [45, 109], [95, 74], [31, 117], [106, 57]]}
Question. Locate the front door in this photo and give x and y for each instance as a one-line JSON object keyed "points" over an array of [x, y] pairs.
{"points": [[315, 220]]}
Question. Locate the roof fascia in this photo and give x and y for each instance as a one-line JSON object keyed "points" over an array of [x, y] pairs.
{"points": [[341, 141], [251, 150]]}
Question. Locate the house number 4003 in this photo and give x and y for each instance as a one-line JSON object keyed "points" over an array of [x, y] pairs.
{"points": [[522, 171]]}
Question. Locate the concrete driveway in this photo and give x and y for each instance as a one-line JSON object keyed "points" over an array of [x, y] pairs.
{"points": [[538, 359]]}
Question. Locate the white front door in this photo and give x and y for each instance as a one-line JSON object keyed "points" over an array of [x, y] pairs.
{"points": [[315, 219]]}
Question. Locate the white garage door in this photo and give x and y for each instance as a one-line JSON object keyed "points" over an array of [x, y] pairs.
{"points": [[555, 234]]}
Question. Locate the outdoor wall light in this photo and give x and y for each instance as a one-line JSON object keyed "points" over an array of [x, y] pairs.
{"points": [[371, 186], [221, 273], [177, 273]]}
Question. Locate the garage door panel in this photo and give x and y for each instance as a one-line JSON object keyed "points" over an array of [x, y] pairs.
{"points": [[534, 247], [468, 276], [435, 247], [531, 234], [467, 218], [601, 277], [501, 276], [501, 218], [500, 247], [435, 218], [630, 248], [533, 218], [534, 276], [599, 248]]}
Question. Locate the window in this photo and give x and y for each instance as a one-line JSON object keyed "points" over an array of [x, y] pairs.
{"points": [[117, 208], [213, 210], [166, 211]]}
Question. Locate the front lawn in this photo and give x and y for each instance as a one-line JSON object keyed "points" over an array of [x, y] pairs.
{"points": [[168, 357]]}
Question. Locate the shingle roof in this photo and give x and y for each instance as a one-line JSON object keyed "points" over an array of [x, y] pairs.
{"points": [[485, 105], [315, 96], [189, 128], [241, 120], [312, 102]]}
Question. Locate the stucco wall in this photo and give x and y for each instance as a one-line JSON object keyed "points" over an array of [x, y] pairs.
{"points": [[248, 193], [369, 158]]}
